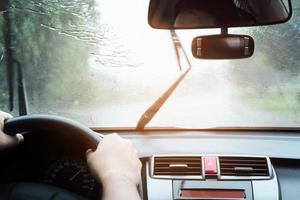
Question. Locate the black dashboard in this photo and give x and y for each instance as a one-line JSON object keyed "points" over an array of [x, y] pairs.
{"points": [[39, 161]]}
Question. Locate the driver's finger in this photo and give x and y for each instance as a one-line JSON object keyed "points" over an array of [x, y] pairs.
{"points": [[5, 115], [88, 155], [19, 138], [88, 152], [11, 141]]}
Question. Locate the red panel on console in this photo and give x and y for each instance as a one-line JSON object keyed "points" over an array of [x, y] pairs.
{"points": [[213, 194]]}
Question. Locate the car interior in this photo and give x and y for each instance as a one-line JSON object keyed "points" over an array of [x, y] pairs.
{"points": [[194, 138]]}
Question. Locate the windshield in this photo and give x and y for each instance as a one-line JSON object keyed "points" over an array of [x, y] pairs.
{"points": [[99, 62]]}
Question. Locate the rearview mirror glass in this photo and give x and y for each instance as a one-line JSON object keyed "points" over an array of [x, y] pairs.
{"points": [[189, 14], [223, 47]]}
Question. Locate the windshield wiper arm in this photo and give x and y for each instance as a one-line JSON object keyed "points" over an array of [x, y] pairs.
{"points": [[155, 107]]}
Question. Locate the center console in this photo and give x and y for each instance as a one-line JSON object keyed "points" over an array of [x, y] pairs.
{"points": [[234, 177]]}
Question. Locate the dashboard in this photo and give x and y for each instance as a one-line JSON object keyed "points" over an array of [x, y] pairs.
{"points": [[280, 150], [211, 177], [71, 174], [176, 165]]}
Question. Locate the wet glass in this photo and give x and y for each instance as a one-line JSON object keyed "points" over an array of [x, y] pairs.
{"points": [[99, 62]]}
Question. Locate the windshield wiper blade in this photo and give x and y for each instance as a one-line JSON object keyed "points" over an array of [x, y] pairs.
{"points": [[155, 107]]}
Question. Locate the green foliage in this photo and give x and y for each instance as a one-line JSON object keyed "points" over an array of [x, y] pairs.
{"points": [[49, 44], [3, 87], [270, 80]]}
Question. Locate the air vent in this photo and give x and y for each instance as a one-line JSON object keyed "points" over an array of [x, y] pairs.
{"points": [[244, 166], [177, 166]]}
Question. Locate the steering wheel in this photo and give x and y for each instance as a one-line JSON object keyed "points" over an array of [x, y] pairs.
{"points": [[55, 125]]}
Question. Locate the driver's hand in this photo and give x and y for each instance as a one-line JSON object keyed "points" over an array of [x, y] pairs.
{"points": [[115, 160], [7, 141]]}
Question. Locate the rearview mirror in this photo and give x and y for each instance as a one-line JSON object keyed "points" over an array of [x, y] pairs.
{"points": [[223, 47], [189, 14]]}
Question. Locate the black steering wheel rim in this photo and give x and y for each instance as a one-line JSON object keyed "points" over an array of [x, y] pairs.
{"points": [[53, 123]]}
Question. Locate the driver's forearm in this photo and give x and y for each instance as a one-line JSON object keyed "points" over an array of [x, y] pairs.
{"points": [[115, 189]]}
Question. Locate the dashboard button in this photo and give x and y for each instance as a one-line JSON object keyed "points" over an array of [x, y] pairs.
{"points": [[210, 165]]}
